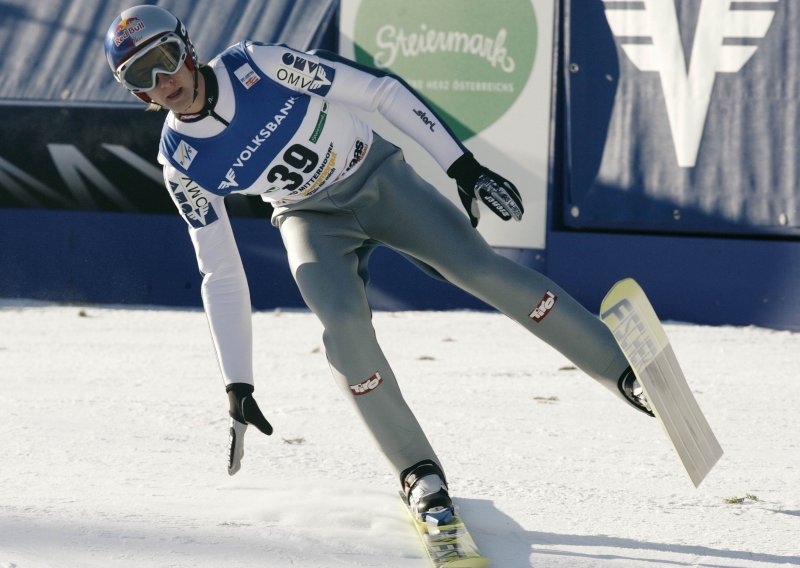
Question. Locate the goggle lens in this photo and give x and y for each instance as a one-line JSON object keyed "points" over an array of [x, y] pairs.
{"points": [[140, 73]]}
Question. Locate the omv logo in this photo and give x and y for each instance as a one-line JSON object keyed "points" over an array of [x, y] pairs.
{"points": [[649, 34]]}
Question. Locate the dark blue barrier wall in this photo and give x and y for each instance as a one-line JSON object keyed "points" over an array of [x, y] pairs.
{"points": [[706, 280], [123, 258]]}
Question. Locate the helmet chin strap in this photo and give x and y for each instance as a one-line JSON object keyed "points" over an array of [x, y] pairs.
{"points": [[195, 90]]}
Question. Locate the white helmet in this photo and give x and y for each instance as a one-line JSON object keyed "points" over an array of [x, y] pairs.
{"points": [[144, 41]]}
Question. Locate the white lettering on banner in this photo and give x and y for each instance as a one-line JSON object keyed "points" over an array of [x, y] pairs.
{"points": [[688, 92], [75, 167], [76, 170], [135, 161], [24, 186], [392, 42], [255, 144]]}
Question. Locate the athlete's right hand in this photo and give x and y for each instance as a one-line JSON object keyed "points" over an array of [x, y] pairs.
{"points": [[243, 411], [475, 182]]}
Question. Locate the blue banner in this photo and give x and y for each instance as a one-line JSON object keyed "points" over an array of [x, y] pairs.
{"points": [[681, 116]]}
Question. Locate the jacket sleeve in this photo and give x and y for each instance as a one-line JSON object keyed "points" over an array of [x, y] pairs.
{"points": [[340, 80], [224, 290]]}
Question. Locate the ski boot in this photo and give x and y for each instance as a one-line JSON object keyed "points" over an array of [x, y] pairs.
{"points": [[425, 490], [633, 392]]}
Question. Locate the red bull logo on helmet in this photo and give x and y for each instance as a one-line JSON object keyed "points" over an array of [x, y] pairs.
{"points": [[128, 28]]}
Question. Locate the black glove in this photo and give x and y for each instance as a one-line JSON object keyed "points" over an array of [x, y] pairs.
{"points": [[476, 181], [243, 411]]}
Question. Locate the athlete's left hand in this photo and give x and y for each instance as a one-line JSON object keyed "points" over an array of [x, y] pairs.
{"points": [[478, 182], [243, 411]]}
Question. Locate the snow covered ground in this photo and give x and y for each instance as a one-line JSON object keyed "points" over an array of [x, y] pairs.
{"points": [[114, 431]]}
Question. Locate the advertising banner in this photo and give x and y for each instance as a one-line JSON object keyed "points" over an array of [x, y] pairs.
{"points": [[682, 116], [486, 72], [87, 158]]}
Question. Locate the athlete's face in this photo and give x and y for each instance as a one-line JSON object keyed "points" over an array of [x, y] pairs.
{"points": [[176, 91]]}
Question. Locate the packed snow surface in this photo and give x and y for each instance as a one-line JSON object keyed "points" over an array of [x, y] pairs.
{"points": [[114, 434]]}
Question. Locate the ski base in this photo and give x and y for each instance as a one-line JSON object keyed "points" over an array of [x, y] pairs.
{"points": [[451, 545], [629, 315]]}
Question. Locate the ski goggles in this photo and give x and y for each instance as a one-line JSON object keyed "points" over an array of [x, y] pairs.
{"points": [[165, 56]]}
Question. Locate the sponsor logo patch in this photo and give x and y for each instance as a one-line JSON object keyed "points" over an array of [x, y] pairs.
{"points": [[423, 116], [358, 153], [545, 305], [247, 76], [323, 115], [368, 385], [184, 154], [301, 73], [325, 170], [129, 29], [193, 203], [230, 180]]}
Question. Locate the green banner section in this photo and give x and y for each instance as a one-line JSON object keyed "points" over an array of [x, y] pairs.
{"points": [[470, 59]]}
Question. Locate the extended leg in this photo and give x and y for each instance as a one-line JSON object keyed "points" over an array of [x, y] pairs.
{"points": [[427, 226]]}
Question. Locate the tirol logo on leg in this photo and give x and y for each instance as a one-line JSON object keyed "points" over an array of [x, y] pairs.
{"points": [[545, 305], [367, 386]]}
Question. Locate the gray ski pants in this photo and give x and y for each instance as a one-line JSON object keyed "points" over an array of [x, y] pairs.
{"points": [[328, 239]]}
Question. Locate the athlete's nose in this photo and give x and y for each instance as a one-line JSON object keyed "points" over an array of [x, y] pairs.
{"points": [[161, 78]]}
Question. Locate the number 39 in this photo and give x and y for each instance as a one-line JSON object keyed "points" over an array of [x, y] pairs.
{"points": [[298, 157]]}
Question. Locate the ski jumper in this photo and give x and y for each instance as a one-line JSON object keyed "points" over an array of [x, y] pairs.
{"points": [[282, 129]]}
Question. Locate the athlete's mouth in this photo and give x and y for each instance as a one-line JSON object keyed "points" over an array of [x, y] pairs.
{"points": [[175, 95]]}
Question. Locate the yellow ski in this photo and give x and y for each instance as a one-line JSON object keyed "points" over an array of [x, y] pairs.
{"points": [[451, 545]]}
